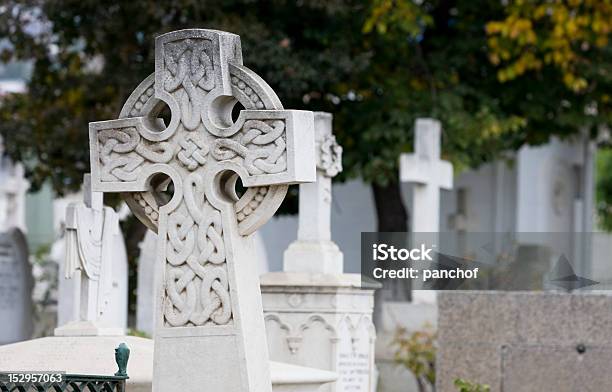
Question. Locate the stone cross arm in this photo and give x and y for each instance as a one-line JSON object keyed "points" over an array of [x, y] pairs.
{"points": [[424, 166], [261, 148], [423, 172]]}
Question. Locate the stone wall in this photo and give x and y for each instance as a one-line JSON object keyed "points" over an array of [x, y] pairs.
{"points": [[523, 341]]}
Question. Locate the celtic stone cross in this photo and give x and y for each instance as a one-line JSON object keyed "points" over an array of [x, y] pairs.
{"points": [[314, 251], [209, 322]]}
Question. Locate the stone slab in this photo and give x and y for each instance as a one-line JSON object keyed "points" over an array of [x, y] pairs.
{"points": [[525, 341], [68, 353]]}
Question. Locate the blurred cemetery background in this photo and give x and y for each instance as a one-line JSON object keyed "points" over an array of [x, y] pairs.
{"points": [[521, 92]]}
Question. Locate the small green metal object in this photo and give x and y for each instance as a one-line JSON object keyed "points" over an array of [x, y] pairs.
{"points": [[122, 354], [74, 382]]}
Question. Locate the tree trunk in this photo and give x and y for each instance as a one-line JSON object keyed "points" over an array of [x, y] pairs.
{"points": [[391, 217], [390, 210]]}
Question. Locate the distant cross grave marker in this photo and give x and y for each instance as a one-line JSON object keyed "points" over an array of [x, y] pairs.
{"points": [[210, 331], [429, 173], [314, 251]]}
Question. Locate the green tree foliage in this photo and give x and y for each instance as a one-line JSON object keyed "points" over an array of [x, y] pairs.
{"points": [[604, 189], [416, 351], [88, 55], [376, 65], [467, 386]]}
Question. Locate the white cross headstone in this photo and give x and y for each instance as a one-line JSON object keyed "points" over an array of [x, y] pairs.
{"points": [[429, 174], [93, 249], [314, 251], [209, 320], [13, 188]]}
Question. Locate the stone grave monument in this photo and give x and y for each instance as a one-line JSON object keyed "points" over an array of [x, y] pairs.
{"points": [[315, 315], [13, 188], [145, 293], [180, 180], [428, 174], [525, 341], [96, 263], [16, 284]]}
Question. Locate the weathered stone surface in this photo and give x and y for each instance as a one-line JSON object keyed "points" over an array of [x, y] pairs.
{"points": [[13, 188], [522, 341], [539, 368], [209, 320], [474, 317]]}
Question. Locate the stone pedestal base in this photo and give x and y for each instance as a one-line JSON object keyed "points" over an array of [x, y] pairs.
{"points": [[313, 257], [322, 321]]}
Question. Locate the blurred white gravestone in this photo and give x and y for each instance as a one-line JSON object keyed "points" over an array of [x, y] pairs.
{"points": [[15, 288], [145, 294], [429, 174], [96, 264], [210, 315], [314, 251], [13, 188], [316, 315]]}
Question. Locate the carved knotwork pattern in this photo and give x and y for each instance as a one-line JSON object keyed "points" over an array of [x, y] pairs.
{"points": [[261, 145], [196, 276], [193, 151], [122, 153], [329, 158], [189, 76]]}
